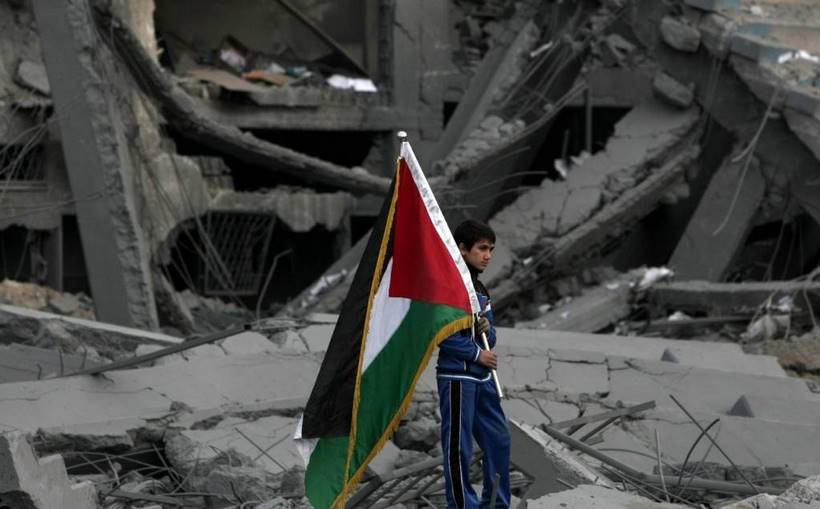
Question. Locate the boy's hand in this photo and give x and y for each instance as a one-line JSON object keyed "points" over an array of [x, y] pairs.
{"points": [[488, 359], [482, 326]]}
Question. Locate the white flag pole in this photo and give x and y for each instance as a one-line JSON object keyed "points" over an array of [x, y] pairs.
{"points": [[493, 372]]}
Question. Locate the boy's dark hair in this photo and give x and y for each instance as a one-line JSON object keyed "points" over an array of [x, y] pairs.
{"points": [[471, 231]]}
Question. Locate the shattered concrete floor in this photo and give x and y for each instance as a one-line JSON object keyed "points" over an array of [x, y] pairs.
{"points": [[652, 171]]}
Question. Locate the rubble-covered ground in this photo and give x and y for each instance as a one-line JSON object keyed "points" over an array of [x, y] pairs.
{"points": [[187, 187]]}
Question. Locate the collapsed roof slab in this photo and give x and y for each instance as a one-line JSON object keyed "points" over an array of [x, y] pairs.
{"points": [[593, 310], [733, 105], [182, 112], [645, 135], [599, 200], [100, 167], [634, 381], [727, 298], [749, 442], [127, 399], [728, 357], [22, 325]]}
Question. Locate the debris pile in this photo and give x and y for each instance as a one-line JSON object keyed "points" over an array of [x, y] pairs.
{"points": [[181, 220]]}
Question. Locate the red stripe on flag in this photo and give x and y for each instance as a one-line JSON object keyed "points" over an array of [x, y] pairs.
{"points": [[423, 269]]}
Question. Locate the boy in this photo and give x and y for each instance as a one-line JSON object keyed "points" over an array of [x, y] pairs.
{"points": [[469, 402]]}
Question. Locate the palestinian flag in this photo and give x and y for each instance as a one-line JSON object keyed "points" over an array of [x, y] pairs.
{"points": [[411, 291]]}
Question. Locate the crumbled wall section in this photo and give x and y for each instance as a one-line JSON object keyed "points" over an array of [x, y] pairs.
{"points": [[101, 169], [643, 136]]}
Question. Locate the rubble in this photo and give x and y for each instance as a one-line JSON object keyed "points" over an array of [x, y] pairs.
{"points": [[652, 180], [29, 482]]}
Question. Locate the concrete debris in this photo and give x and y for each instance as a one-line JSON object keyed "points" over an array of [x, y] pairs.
{"points": [[679, 34], [597, 497], [42, 298], [672, 92], [655, 205], [29, 482], [32, 75], [552, 465]]}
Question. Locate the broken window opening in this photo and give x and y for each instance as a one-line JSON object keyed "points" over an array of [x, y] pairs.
{"points": [[22, 163], [778, 251], [75, 274], [246, 261]]}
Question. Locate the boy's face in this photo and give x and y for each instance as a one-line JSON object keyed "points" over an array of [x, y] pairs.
{"points": [[479, 256]]}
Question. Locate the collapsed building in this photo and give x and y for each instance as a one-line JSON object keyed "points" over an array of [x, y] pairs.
{"points": [[189, 186]]}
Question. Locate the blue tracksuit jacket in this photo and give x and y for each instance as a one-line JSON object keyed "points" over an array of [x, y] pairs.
{"points": [[458, 354], [471, 409]]}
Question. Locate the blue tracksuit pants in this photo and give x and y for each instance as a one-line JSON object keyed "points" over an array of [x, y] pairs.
{"points": [[472, 410]]}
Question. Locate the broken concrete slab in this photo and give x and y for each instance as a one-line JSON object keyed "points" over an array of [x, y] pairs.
{"points": [[634, 381], [594, 310], [728, 298], [48, 330], [749, 442], [673, 92], [777, 410], [720, 356], [721, 222], [548, 462], [597, 497], [804, 494], [126, 399], [28, 482], [264, 440], [645, 134], [20, 363]]}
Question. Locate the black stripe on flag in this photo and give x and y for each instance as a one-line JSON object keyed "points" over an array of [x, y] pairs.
{"points": [[329, 409]]}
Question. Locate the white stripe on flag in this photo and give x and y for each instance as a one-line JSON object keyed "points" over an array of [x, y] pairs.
{"points": [[386, 315]]}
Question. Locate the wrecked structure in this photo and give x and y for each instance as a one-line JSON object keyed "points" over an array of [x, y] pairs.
{"points": [[189, 186]]}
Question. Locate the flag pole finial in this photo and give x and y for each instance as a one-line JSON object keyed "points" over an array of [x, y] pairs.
{"points": [[402, 136]]}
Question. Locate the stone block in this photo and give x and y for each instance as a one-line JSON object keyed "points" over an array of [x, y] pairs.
{"points": [[673, 92], [679, 34], [27, 482]]}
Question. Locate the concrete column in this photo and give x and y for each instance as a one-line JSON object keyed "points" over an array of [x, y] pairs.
{"points": [[100, 168]]}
